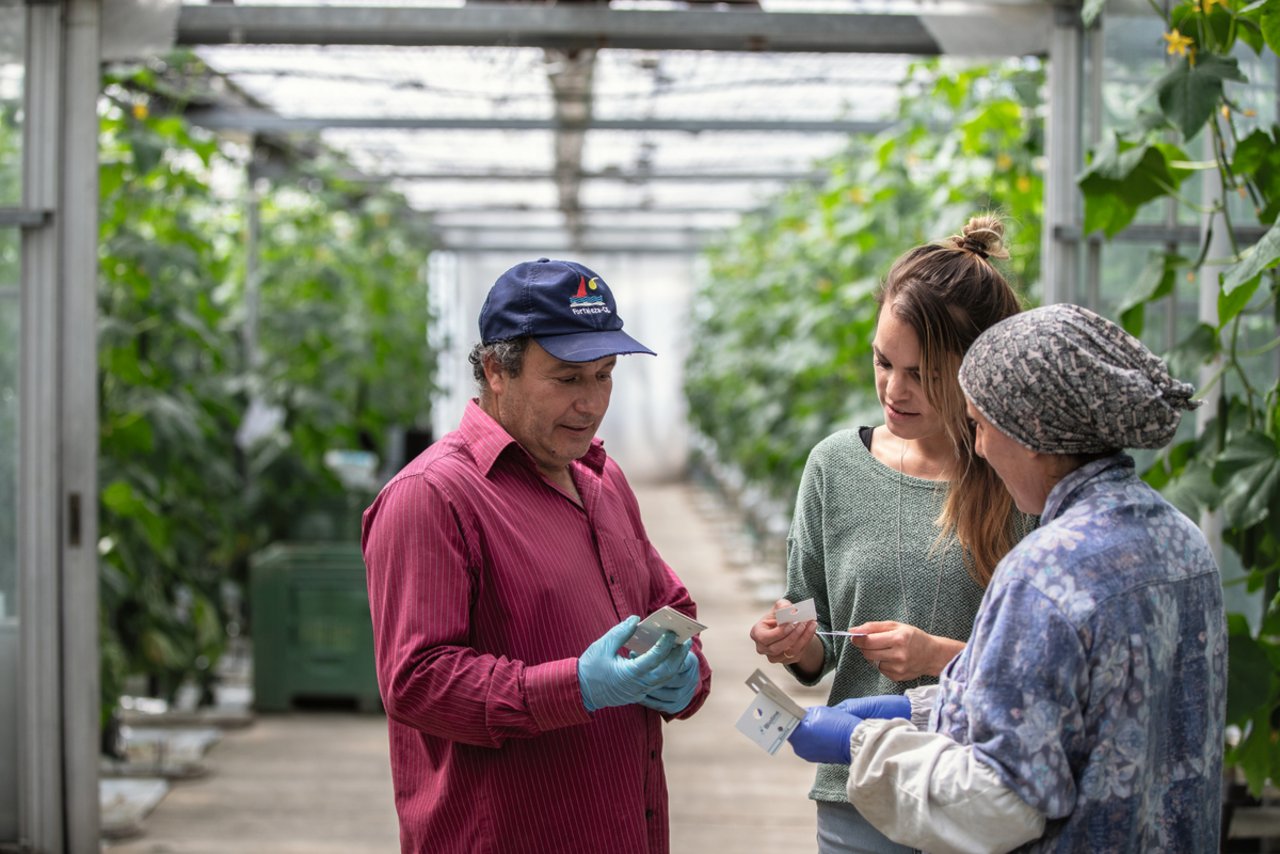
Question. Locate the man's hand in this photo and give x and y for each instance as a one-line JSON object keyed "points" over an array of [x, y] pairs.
{"points": [[676, 694], [607, 679], [823, 735]]}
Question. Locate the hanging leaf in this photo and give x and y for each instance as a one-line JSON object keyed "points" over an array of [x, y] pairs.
{"points": [[1246, 693], [1189, 94], [1091, 10], [1155, 282], [1248, 469], [1259, 257], [1124, 176], [1270, 26]]}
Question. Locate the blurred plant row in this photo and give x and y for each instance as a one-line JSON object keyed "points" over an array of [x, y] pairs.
{"points": [[214, 426]]}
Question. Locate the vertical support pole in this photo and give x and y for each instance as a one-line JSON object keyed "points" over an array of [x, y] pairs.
{"points": [[1062, 219], [40, 756], [57, 523], [77, 203]]}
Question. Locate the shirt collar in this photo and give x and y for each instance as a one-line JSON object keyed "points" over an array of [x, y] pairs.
{"points": [[1064, 492], [487, 440]]}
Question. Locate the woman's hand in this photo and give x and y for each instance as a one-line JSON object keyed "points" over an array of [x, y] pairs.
{"points": [[903, 652], [794, 644]]}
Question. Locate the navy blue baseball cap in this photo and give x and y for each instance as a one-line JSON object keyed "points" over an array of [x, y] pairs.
{"points": [[562, 305]]}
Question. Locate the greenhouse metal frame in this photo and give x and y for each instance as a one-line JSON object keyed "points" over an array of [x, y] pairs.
{"points": [[49, 794]]}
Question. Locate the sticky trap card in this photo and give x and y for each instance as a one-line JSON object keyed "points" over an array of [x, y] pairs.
{"points": [[800, 612], [771, 716], [666, 619]]}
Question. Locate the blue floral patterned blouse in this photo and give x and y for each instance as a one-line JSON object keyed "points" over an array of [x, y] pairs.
{"points": [[1094, 683]]}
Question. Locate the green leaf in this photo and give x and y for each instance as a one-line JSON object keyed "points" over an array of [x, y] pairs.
{"points": [[1246, 658], [1248, 469], [1258, 257], [1122, 177], [1251, 153], [1193, 491], [1189, 94], [1154, 282], [1091, 10], [1231, 303], [1270, 25], [1193, 351]]}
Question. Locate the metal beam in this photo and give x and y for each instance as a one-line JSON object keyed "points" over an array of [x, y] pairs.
{"points": [[646, 230], [561, 27], [514, 210], [690, 177], [217, 118], [534, 250]]}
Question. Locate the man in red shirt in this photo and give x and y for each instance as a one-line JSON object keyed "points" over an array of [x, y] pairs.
{"points": [[507, 565]]}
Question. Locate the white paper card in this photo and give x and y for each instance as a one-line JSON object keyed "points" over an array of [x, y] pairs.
{"points": [[771, 716], [665, 619], [799, 612]]}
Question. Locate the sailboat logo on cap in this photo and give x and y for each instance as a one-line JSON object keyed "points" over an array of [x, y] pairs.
{"points": [[588, 299]]}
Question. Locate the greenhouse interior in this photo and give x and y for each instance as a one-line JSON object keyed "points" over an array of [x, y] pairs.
{"points": [[244, 248]]}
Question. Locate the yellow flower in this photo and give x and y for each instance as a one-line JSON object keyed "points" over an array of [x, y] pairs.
{"points": [[140, 111], [1177, 43], [1248, 114], [1207, 5], [1226, 111], [858, 196], [1003, 161], [1023, 184]]}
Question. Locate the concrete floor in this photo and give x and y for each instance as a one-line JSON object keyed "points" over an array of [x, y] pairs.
{"points": [[320, 782]]}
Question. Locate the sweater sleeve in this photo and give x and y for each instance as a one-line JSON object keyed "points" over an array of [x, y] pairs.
{"points": [[925, 790], [806, 561]]}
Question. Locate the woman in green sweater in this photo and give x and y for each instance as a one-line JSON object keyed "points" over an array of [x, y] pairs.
{"points": [[897, 528]]}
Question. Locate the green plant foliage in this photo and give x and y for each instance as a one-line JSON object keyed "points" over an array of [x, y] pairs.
{"points": [[784, 320], [1234, 466], [342, 356]]}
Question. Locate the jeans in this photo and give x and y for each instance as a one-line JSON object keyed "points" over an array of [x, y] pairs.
{"points": [[843, 830]]}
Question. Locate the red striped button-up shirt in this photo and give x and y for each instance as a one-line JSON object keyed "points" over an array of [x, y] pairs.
{"points": [[486, 583]]}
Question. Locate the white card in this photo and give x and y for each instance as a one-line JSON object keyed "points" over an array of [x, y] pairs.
{"points": [[799, 612], [665, 619], [772, 715]]}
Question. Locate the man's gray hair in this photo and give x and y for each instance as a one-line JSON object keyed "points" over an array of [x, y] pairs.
{"points": [[509, 356]]}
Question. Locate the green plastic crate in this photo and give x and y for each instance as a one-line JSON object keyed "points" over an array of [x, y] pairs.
{"points": [[312, 636]]}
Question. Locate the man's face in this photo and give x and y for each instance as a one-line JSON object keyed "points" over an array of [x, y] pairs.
{"points": [[552, 408]]}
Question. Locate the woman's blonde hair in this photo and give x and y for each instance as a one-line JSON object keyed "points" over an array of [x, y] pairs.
{"points": [[949, 292]]}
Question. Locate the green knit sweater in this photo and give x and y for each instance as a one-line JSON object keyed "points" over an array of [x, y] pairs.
{"points": [[843, 550]]}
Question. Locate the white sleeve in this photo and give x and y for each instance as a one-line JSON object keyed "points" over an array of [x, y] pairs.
{"points": [[924, 790], [921, 704]]}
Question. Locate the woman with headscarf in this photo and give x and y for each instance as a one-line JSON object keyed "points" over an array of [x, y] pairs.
{"points": [[1086, 712]]}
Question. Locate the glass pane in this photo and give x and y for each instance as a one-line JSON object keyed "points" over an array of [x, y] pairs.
{"points": [[12, 30], [12, 27]]}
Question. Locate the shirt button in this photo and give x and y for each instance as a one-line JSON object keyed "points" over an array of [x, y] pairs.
{"points": [[648, 813], [653, 754], [612, 579]]}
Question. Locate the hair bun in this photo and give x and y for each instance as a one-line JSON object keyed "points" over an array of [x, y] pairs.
{"points": [[983, 236]]}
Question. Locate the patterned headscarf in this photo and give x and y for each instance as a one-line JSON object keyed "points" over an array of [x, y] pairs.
{"points": [[1062, 380]]}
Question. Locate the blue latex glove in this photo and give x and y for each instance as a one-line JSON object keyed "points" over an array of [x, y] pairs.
{"points": [[676, 694], [823, 735], [608, 679], [883, 706]]}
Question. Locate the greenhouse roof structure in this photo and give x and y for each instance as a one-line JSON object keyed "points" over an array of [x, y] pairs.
{"points": [[581, 127]]}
